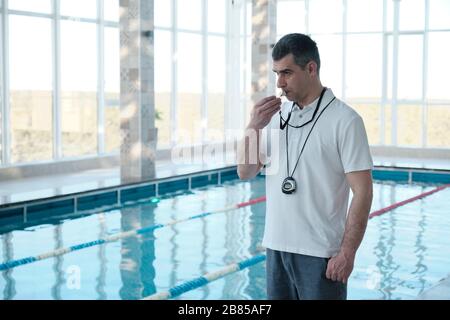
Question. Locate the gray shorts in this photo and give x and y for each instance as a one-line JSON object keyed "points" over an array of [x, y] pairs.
{"points": [[292, 276]]}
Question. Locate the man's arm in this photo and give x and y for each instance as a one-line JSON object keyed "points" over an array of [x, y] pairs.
{"points": [[341, 266], [249, 163], [248, 160]]}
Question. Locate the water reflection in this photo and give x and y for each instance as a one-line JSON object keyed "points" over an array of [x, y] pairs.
{"points": [[137, 254], [9, 291], [58, 264], [386, 264], [205, 242], [394, 265], [100, 287]]}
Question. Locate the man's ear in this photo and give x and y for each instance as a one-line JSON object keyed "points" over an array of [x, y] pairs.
{"points": [[312, 68]]}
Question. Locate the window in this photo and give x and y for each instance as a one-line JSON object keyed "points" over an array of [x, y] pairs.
{"points": [[438, 126], [325, 16], [40, 6], [80, 8], [290, 17], [364, 16], [330, 50], [78, 88], [438, 113], [193, 20], [189, 84], [364, 66], [163, 85], [439, 13], [1, 86], [411, 15], [216, 16], [163, 18], [112, 90], [30, 88], [410, 61], [111, 10], [438, 66], [216, 88], [409, 125]]}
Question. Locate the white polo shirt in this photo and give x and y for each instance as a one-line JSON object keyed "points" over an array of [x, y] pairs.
{"points": [[311, 221]]}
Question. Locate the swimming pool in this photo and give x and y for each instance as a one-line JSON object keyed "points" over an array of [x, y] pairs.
{"points": [[404, 252]]}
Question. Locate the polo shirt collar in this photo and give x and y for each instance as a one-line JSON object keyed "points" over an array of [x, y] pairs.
{"points": [[301, 116]]}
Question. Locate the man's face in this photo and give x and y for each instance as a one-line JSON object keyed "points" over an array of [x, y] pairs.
{"points": [[292, 79]]}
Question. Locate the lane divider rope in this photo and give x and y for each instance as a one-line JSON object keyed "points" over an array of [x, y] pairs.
{"points": [[402, 203], [15, 263], [209, 277], [122, 235], [206, 278]]}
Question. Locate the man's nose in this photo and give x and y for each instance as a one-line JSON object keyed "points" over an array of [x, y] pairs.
{"points": [[280, 82]]}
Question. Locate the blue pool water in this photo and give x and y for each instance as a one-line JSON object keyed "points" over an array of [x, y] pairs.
{"points": [[404, 252]]}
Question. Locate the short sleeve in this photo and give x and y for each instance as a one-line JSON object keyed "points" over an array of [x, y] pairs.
{"points": [[354, 147]]}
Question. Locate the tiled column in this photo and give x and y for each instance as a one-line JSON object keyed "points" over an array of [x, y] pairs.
{"points": [[137, 97], [264, 14]]}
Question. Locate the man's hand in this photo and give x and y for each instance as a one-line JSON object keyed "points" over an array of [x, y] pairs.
{"points": [[340, 267], [263, 111]]}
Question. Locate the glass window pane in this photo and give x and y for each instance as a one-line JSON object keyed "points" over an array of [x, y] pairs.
{"points": [[111, 10], [412, 15], [390, 69], [30, 88], [325, 16], [163, 86], [330, 50], [78, 88], [438, 126], [112, 90], [371, 116], [217, 13], [438, 66], [364, 15], [388, 125], [410, 67], [41, 6], [364, 66], [249, 13], [290, 17], [79, 8], [163, 13], [246, 77], [189, 84], [390, 15], [439, 14], [1, 88], [189, 14], [409, 125], [216, 88]]}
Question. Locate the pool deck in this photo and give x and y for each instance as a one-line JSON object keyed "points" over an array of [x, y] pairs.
{"points": [[25, 189]]}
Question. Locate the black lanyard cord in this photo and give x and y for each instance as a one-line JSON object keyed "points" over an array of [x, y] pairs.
{"points": [[307, 137], [286, 122]]}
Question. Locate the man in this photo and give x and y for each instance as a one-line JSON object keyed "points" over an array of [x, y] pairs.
{"points": [[310, 238]]}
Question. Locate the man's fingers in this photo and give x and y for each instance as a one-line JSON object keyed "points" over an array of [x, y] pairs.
{"points": [[328, 272], [271, 112], [265, 100], [274, 104]]}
